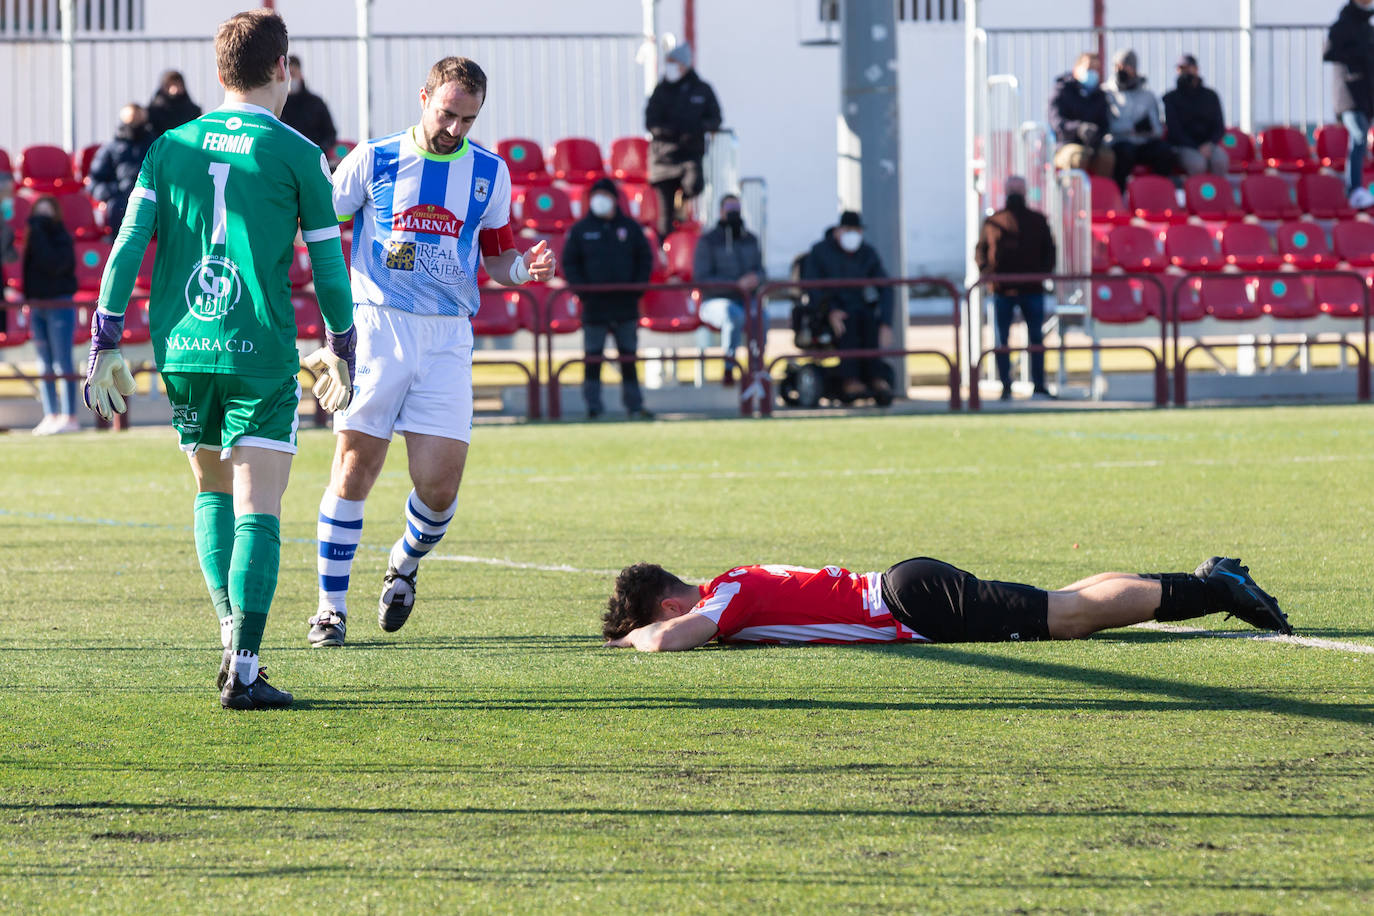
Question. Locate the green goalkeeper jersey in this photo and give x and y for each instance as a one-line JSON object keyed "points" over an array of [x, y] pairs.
{"points": [[225, 194]]}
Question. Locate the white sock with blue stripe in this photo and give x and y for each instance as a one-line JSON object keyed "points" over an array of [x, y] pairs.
{"points": [[425, 527], [340, 528]]}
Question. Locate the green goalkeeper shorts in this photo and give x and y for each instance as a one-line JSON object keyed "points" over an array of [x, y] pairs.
{"points": [[219, 411]]}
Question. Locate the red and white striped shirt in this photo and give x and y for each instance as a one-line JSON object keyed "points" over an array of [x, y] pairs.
{"points": [[774, 604]]}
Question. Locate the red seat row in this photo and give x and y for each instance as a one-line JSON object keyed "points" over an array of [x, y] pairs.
{"points": [[1122, 300], [1211, 198], [1285, 149], [575, 160], [1299, 244]]}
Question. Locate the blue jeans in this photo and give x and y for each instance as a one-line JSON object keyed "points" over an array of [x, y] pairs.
{"points": [[728, 315], [626, 334], [1357, 125], [1032, 306], [52, 338]]}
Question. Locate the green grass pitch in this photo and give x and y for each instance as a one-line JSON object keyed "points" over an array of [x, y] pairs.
{"points": [[491, 756]]}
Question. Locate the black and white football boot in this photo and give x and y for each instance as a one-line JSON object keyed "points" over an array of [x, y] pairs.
{"points": [[327, 628], [398, 599]]}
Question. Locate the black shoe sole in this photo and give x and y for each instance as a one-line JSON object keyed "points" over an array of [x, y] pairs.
{"points": [[1255, 606]]}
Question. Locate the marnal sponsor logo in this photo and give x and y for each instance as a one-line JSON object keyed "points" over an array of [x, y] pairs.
{"points": [[430, 219]]}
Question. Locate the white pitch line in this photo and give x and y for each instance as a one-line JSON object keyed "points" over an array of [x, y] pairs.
{"points": [[1305, 642], [516, 564]]}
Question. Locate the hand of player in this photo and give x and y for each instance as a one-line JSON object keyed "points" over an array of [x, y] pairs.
{"points": [[621, 643], [539, 261], [334, 368], [108, 380]]}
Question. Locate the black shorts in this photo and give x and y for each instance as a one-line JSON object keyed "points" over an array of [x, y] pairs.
{"points": [[946, 604]]}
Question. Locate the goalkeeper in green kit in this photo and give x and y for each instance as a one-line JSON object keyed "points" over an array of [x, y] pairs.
{"points": [[225, 195]]}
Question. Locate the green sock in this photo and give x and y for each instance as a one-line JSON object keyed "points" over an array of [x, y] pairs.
{"points": [[215, 545], [253, 577]]}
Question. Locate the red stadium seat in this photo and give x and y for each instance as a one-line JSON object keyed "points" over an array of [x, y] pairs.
{"points": [[136, 327], [1190, 248], [1240, 150], [1303, 244], [643, 202], [1108, 207], [341, 148], [1340, 297], [1355, 242], [309, 321], [1102, 260], [81, 331], [1211, 197], [669, 311], [15, 331], [90, 268], [525, 161], [6, 167], [1268, 197], [1285, 297], [565, 315], [47, 169], [499, 313], [1323, 197], [1249, 246], [1152, 198], [1117, 300], [630, 159], [680, 248], [1135, 249], [577, 160], [81, 161], [19, 223], [1228, 298], [545, 209], [78, 215], [1286, 149], [299, 272], [1333, 145]]}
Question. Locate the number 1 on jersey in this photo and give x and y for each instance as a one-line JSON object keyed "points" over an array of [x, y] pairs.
{"points": [[219, 174]]}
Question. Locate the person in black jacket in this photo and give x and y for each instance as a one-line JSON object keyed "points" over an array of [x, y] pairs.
{"points": [[1079, 113], [606, 246], [307, 112], [50, 274], [115, 168], [682, 110], [171, 105], [1350, 47], [855, 313], [1195, 123]]}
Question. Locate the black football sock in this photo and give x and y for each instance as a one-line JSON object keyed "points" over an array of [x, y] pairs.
{"points": [[1183, 596]]}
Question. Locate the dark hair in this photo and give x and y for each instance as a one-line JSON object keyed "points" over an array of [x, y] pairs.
{"points": [[247, 48], [634, 603], [293, 61], [460, 70], [169, 77], [1085, 57]]}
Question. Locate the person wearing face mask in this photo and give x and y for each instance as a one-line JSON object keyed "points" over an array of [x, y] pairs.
{"points": [[729, 253], [681, 111], [1192, 114], [1078, 116], [307, 112], [1135, 131], [114, 170], [1017, 240], [607, 246], [171, 105], [1350, 49], [50, 275], [855, 313]]}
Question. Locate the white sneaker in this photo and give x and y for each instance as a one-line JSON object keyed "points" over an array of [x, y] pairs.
{"points": [[45, 425], [1361, 199], [65, 423]]}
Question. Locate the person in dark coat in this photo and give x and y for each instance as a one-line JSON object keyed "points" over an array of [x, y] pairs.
{"points": [[171, 105], [1017, 240], [50, 274], [729, 253], [115, 168], [682, 110], [307, 112], [606, 246], [1350, 47], [855, 313], [1195, 123], [1135, 131], [1079, 113]]}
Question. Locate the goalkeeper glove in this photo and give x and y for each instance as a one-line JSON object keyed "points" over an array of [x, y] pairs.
{"points": [[334, 365], [108, 380]]}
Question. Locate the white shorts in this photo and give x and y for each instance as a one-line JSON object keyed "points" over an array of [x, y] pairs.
{"points": [[414, 375]]}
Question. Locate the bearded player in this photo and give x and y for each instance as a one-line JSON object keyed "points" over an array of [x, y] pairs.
{"points": [[917, 600], [226, 194], [425, 204]]}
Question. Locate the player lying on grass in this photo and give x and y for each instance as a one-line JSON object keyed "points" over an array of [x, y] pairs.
{"points": [[917, 600]]}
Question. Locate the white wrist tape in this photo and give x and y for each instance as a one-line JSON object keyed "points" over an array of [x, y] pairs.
{"points": [[519, 273]]}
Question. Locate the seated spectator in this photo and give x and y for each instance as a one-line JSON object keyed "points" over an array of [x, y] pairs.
{"points": [[1192, 115], [729, 253], [171, 105], [1079, 113], [307, 112], [50, 274], [855, 312], [603, 247], [115, 168], [1350, 49], [1135, 131]]}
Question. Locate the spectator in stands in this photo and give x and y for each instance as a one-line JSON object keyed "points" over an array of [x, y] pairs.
{"points": [[1079, 113], [171, 105], [1192, 115], [607, 246], [1135, 131], [307, 112], [50, 274], [1017, 240], [682, 110], [856, 312], [115, 168], [729, 253], [1350, 47]]}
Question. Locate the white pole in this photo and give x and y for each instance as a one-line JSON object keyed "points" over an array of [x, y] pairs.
{"points": [[68, 12], [364, 43], [974, 88], [648, 51], [1247, 66]]}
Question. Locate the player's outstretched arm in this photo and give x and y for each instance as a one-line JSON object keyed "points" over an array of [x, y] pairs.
{"points": [[676, 635]]}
